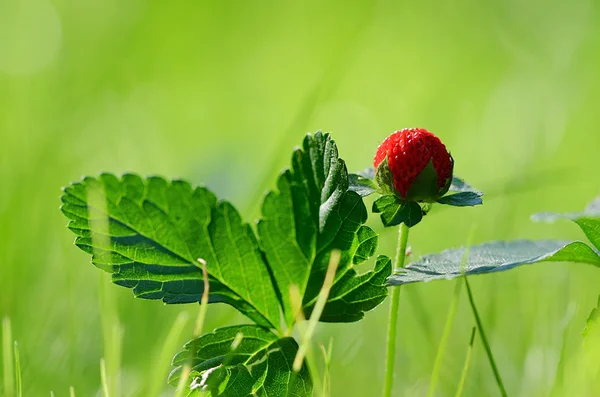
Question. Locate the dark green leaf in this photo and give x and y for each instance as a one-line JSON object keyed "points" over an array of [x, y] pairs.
{"points": [[356, 294], [312, 212], [149, 233], [462, 199], [240, 361], [493, 257], [395, 211]]}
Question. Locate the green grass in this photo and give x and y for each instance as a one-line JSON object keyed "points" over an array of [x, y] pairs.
{"points": [[220, 94]]}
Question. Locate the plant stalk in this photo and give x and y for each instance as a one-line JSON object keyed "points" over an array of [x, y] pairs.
{"points": [[437, 365], [486, 345], [390, 356], [463, 376]]}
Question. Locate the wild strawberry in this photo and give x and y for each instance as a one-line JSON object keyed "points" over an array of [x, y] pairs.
{"points": [[419, 167]]}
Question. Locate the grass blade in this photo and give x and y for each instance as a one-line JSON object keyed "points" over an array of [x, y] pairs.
{"points": [[488, 350], [449, 321], [463, 376], [185, 373], [169, 344], [327, 359], [103, 378], [18, 372], [7, 358]]}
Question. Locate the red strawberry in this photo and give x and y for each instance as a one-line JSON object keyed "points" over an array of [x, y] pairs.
{"points": [[419, 164]]}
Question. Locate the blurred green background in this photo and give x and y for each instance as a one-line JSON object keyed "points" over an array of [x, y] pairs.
{"points": [[219, 92]]}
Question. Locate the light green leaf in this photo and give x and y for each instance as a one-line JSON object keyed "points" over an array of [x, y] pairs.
{"points": [[591, 211], [588, 220], [150, 233], [493, 257], [395, 211], [240, 361], [459, 185], [312, 212], [593, 321]]}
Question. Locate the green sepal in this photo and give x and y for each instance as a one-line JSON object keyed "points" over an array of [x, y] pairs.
{"points": [[395, 211], [424, 188], [449, 180], [384, 178]]}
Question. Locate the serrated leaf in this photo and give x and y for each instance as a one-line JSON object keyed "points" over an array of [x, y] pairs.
{"points": [[149, 234], [493, 257], [395, 211], [312, 212], [462, 199], [240, 361], [356, 294]]}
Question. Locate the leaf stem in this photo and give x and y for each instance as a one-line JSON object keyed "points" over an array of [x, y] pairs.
{"points": [[488, 350], [390, 355], [463, 376]]}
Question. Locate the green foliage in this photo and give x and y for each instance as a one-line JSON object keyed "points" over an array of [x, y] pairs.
{"points": [[588, 220], [242, 360], [152, 235], [462, 199], [313, 212], [493, 257], [591, 325], [395, 211]]}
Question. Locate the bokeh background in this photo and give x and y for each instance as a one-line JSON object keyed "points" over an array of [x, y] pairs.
{"points": [[219, 93]]}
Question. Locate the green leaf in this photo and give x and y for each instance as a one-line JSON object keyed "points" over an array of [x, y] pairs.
{"points": [[354, 295], [312, 212], [588, 220], [459, 185], [591, 211], [395, 211], [591, 228], [493, 257], [462, 199], [465, 196], [149, 233], [240, 361], [363, 185], [593, 320]]}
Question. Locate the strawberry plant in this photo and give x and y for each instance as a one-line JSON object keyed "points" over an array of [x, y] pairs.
{"points": [[178, 243]]}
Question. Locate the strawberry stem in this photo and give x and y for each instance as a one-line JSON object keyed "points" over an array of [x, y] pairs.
{"points": [[393, 319]]}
